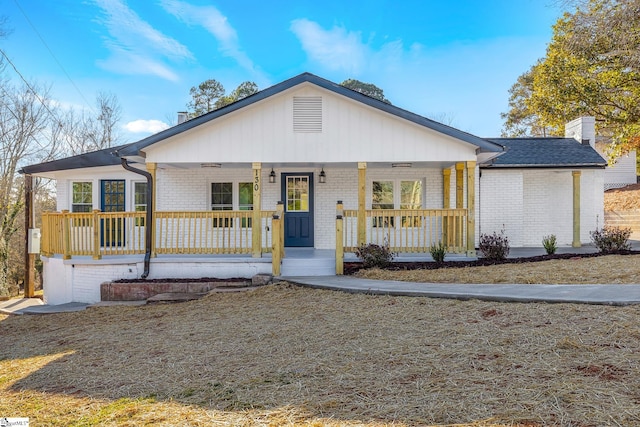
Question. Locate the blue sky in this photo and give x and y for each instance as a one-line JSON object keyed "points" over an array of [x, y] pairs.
{"points": [[449, 60]]}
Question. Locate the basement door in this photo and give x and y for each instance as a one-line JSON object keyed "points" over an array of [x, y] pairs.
{"points": [[112, 199], [297, 193]]}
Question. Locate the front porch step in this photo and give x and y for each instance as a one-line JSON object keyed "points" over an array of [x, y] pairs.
{"points": [[308, 267]]}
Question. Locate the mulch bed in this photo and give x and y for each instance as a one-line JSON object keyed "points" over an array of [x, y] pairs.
{"points": [[351, 268]]}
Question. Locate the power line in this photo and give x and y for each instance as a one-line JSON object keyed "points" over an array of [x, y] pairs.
{"points": [[44, 104], [53, 56]]}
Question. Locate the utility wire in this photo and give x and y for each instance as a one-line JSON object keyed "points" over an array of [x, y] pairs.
{"points": [[44, 104], [53, 56]]}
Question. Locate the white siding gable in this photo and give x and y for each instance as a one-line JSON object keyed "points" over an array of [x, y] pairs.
{"points": [[348, 131]]}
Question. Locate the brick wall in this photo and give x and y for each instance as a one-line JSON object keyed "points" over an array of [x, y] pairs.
{"points": [[530, 204], [501, 204]]}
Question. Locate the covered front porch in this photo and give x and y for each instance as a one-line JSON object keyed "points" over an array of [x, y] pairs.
{"points": [[255, 232]]}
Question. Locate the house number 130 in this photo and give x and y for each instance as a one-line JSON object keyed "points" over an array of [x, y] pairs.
{"points": [[256, 185]]}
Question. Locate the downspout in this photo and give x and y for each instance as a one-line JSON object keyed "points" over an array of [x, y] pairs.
{"points": [[149, 214]]}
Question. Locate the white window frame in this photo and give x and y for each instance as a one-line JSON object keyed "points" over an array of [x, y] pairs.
{"points": [[133, 201], [71, 194], [235, 197], [397, 195], [235, 192]]}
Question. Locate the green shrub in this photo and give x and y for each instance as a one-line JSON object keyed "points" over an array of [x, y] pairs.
{"points": [[550, 244], [438, 252], [611, 239], [373, 255], [494, 246]]}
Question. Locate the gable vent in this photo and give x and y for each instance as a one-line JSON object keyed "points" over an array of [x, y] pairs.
{"points": [[307, 114]]}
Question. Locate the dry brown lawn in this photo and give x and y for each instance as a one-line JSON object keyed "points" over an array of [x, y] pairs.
{"points": [[287, 355], [617, 269], [622, 199]]}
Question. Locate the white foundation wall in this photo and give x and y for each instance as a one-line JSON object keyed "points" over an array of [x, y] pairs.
{"points": [[79, 279], [530, 204]]}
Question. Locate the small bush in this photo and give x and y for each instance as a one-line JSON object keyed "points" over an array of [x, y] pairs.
{"points": [[494, 246], [373, 255], [611, 239], [438, 252], [550, 244]]}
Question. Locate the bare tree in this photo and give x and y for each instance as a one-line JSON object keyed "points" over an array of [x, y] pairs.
{"points": [[24, 136], [85, 132]]}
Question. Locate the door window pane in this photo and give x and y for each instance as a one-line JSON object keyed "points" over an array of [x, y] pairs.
{"points": [[113, 195], [297, 194]]}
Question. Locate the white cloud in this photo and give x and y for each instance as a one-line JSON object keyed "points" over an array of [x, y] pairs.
{"points": [[136, 47], [212, 20], [146, 126], [336, 49]]}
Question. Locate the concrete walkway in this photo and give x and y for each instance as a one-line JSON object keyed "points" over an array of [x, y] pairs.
{"points": [[36, 306], [583, 294]]}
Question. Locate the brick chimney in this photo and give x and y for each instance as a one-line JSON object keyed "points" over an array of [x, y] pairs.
{"points": [[582, 129]]}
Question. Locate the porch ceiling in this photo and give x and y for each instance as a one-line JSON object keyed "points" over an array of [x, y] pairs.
{"points": [[339, 165]]}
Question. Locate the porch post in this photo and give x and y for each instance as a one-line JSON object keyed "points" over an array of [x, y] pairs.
{"points": [[96, 234], [276, 245], [152, 168], [280, 213], [576, 209], [256, 223], [66, 235], [339, 239], [362, 218], [29, 258], [471, 209], [457, 228], [446, 203], [459, 185]]}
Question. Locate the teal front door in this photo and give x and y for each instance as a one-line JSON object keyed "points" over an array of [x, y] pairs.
{"points": [[297, 193]]}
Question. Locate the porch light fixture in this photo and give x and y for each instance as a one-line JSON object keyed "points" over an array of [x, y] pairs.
{"points": [[401, 165], [272, 176], [210, 165], [323, 177]]}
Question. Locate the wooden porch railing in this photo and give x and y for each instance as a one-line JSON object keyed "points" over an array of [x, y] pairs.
{"points": [[408, 230], [210, 232], [123, 233]]}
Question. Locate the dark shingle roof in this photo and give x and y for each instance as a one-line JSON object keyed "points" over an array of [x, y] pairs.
{"points": [[545, 153], [102, 157]]}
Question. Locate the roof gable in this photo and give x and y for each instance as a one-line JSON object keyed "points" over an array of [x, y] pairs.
{"points": [[308, 124], [137, 148]]}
